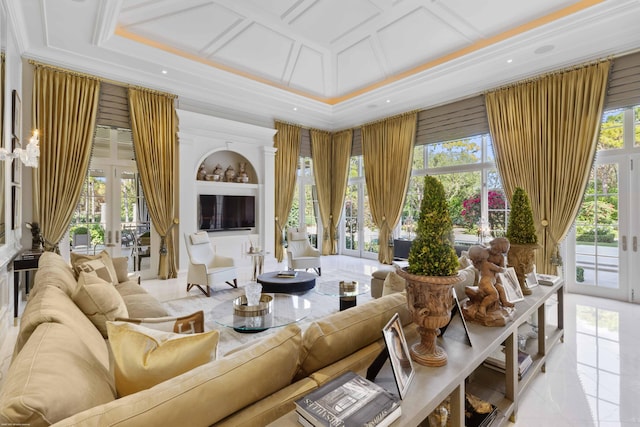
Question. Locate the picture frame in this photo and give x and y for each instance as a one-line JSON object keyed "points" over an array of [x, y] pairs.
{"points": [[401, 363], [532, 278], [16, 209], [457, 309], [16, 116], [511, 285], [16, 166]]}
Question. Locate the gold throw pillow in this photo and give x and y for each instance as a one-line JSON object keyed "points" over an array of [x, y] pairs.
{"points": [[145, 357]]}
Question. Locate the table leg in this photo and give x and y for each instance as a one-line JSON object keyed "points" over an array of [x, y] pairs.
{"points": [[16, 292]]}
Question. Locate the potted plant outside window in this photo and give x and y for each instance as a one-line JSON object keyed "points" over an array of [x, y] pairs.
{"points": [[431, 274]]}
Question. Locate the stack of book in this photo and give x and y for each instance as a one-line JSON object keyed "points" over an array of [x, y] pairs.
{"points": [[497, 361], [548, 279], [349, 400], [287, 273]]}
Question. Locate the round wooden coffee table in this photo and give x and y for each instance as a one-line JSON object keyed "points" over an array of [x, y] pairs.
{"points": [[302, 282]]}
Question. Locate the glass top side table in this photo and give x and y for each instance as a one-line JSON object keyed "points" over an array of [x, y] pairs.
{"points": [[346, 290]]}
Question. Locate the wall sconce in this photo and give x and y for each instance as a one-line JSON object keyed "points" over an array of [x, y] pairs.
{"points": [[29, 156]]}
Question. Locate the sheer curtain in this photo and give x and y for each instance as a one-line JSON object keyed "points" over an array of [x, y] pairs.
{"points": [[331, 152], [154, 126], [287, 143], [65, 106], [387, 148], [544, 135]]}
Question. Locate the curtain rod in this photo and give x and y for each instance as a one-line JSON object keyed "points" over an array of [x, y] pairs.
{"points": [[550, 73], [100, 79]]}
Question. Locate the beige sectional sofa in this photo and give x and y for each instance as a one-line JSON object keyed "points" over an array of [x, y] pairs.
{"points": [[62, 370]]}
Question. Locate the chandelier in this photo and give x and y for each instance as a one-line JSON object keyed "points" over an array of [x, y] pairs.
{"points": [[29, 156]]}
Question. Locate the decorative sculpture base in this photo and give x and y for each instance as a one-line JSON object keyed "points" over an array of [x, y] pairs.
{"points": [[498, 316]]}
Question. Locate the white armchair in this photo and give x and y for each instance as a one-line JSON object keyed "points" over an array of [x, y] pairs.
{"points": [[206, 267], [300, 253]]}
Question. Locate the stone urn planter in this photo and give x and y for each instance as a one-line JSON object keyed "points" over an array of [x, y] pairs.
{"points": [[522, 257], [430, 302]]}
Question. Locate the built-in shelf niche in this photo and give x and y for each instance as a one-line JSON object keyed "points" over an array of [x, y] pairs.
{"points": [[225, 159]]}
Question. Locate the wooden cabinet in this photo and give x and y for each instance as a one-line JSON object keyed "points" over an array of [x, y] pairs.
{"points": [[464, 371]]}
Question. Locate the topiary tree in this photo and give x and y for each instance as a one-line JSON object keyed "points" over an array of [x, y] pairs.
{"points": [[521, 229], [432, 252]]}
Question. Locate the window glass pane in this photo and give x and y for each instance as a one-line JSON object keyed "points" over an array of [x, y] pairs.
{"points": [[418, 157], [463, 194], [371, 243], [294, 212], [611, 130], [490, 156], [351, 218], [88, 221], [308, 166], [354, 166], [497, 206], [311, 213], [452, 153], [411, 209]]}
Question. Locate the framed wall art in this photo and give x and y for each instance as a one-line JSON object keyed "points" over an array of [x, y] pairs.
{"points": [[16, 167], [16, 116]]}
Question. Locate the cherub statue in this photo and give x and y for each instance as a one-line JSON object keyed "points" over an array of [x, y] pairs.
{"points": [[487, 302]]}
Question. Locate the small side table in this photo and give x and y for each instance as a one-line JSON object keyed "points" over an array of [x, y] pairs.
{"points": [[257, 261], [25, 262], [347, 291]]}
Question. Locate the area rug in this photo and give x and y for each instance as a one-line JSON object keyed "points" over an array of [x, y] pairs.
{"points": [[322, 305]]}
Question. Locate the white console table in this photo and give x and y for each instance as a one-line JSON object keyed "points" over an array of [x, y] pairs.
{"points": [[464, 371]]}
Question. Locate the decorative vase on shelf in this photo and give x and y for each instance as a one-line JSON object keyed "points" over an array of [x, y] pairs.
{"points": [[431, 274], [430, 302]]}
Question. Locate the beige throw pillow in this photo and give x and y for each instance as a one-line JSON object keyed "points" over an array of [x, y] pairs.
{"points": [[121, 267], [145, 357], [99, 301], [99, 265], [393, 283], [191, 324]]}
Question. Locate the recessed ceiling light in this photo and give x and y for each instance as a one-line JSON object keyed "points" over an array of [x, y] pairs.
{"points": [[509, 61], [388, 101], [544, 49], [164, 71], [295, 108]]}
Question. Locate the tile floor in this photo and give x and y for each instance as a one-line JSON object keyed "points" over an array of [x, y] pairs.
{"points": [[592, 379]]}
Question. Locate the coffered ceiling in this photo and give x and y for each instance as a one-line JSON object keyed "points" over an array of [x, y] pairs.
{"points": [[322, 63]]}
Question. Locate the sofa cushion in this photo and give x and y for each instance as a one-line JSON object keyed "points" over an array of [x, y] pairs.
{"points": [[100, 265], [210, 392], [55, 376], [191, 324], [145, 357], [99, 301], [130, 287], [121, 267], [52, 305], [338, 335], [56, 272], [144, 305]]}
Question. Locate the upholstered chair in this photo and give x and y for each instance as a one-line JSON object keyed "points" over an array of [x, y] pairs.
{"points": [[300, 253], [205, 266]]}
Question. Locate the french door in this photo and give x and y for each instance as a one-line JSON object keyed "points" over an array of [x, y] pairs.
{"points": [[112, 214], [605, 254]]}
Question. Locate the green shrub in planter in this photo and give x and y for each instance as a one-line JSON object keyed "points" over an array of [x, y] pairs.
{"points": [[579, 274], [432, 252], [521, 229]]}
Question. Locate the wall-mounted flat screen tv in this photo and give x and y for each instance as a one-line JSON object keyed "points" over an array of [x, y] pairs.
{"points": [[224, 212]]}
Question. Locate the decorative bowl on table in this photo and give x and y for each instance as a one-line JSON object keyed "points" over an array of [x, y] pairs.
{"points": [[241, 308]]}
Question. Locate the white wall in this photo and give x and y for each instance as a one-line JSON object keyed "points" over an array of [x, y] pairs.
{"points": [[201, 136]]}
